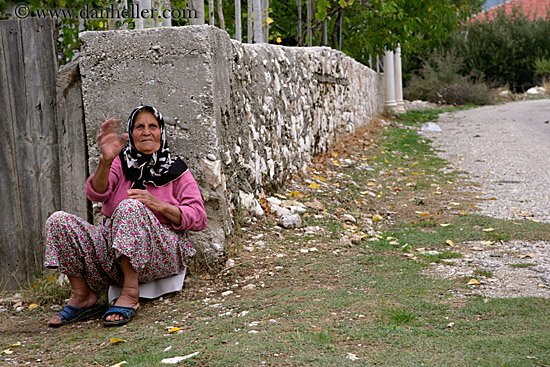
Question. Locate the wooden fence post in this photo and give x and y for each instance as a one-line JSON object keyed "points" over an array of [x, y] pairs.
{"points": [[29, 163]]}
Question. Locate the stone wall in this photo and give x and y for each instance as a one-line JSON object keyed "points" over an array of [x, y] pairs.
{"points": [[247, 115]]}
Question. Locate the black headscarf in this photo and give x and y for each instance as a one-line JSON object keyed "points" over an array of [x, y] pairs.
{"points": [[159, 168]]}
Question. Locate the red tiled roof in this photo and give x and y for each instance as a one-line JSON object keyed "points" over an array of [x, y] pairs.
{"points": [[533, 8]]}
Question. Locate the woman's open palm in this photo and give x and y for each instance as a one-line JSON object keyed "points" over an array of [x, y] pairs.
{"points": [[109, 141]]}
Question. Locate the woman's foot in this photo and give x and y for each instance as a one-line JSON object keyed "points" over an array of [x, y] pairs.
{"points": [[129, 297], [81, 296]]}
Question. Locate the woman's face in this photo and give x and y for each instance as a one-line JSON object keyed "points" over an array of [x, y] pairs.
{"points": [[146, 133]]}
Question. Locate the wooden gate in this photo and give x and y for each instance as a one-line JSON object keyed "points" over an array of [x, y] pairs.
{"points": [[29, 163]]}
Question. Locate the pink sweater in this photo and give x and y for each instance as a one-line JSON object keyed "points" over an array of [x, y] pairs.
{"points": [[183, 193]]}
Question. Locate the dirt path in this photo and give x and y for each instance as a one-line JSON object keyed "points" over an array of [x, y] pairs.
{"points": [[505, 149]]}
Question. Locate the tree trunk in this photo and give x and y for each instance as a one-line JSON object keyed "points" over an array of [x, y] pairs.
{"points": [[220, 15], [309, 33], [266, 24], [211, 17], [249, 29], [299, 25], [258, 34], [238, 25], [198, 7]]}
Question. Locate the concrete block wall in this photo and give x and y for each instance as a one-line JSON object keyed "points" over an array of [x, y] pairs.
{"points": [[250, 114]]}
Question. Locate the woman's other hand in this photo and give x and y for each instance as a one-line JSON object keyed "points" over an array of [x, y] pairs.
{"points": [[172, 212], [109, 141]]}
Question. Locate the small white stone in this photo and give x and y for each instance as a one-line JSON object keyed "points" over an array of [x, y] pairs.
{"points": [[249, 287], [227, 293]]}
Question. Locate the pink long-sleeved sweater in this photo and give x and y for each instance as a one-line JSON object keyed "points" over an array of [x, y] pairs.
{"points": [[183, 193]]}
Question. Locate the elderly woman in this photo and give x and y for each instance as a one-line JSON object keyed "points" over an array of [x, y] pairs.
{"points": [[149, 201]]}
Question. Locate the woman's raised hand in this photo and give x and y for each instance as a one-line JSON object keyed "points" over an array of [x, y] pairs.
{"points": [[109, 141]]}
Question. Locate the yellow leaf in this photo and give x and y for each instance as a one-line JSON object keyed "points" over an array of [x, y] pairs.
{"points": [[493, 199], [313, 185], [18, 344], [376, 218], [437, 192], [7, 351], [269, 20], [32, 306], [335, 162], [51, 278], [488, 229], [296, 194], [279, 40], [371, 184], [450, 243], [453, 203], [174, 330], [542, 286], [415, 173], [474, 281], [463, 212], [117, 341]]}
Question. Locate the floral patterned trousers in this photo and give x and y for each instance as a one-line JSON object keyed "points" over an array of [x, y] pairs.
{"points": [[80, 249]]}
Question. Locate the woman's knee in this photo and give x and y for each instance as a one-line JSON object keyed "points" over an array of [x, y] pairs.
{"points": [[57, 218], [128, 207]]}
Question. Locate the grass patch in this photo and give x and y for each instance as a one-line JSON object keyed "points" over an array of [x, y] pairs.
{"points": [[522, 266], [368, 300]]}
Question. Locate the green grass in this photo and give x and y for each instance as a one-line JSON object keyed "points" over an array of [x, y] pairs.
{"points": [[369, 300]]}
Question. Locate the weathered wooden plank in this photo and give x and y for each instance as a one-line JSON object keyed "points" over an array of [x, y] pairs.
{"points": [[71, 129], [11, 90], [29, 73]]}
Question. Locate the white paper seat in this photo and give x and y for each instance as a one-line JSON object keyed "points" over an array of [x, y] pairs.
{"points": [[155, 288]]}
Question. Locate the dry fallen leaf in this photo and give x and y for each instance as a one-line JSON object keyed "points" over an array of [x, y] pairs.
{"points": [[487, 243], [450, 243], [477, 248], [542, 286], [32, 306], [450, 324], [523, 256], [445, 224], [119, 364], [313, 185], [376, 218], [296, 194], [115, 341], [173, 329], [7, 351], [488, 229], [474, 281]]}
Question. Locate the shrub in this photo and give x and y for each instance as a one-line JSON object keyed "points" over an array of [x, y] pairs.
{"points": [[503, 50], [440, 81]]}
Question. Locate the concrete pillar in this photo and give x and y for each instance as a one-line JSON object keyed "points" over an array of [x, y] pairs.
{"points": [[389, 100], [398, 79]]}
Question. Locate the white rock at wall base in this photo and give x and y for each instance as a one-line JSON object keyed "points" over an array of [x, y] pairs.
{"points": [[291, 221], [249, 202], [280, 211]]}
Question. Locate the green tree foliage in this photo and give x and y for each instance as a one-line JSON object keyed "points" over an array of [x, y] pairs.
{"points": [[504, 50], [370, 26]]}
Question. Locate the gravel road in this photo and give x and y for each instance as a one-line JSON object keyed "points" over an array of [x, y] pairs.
{"points": [[505, 149]]}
